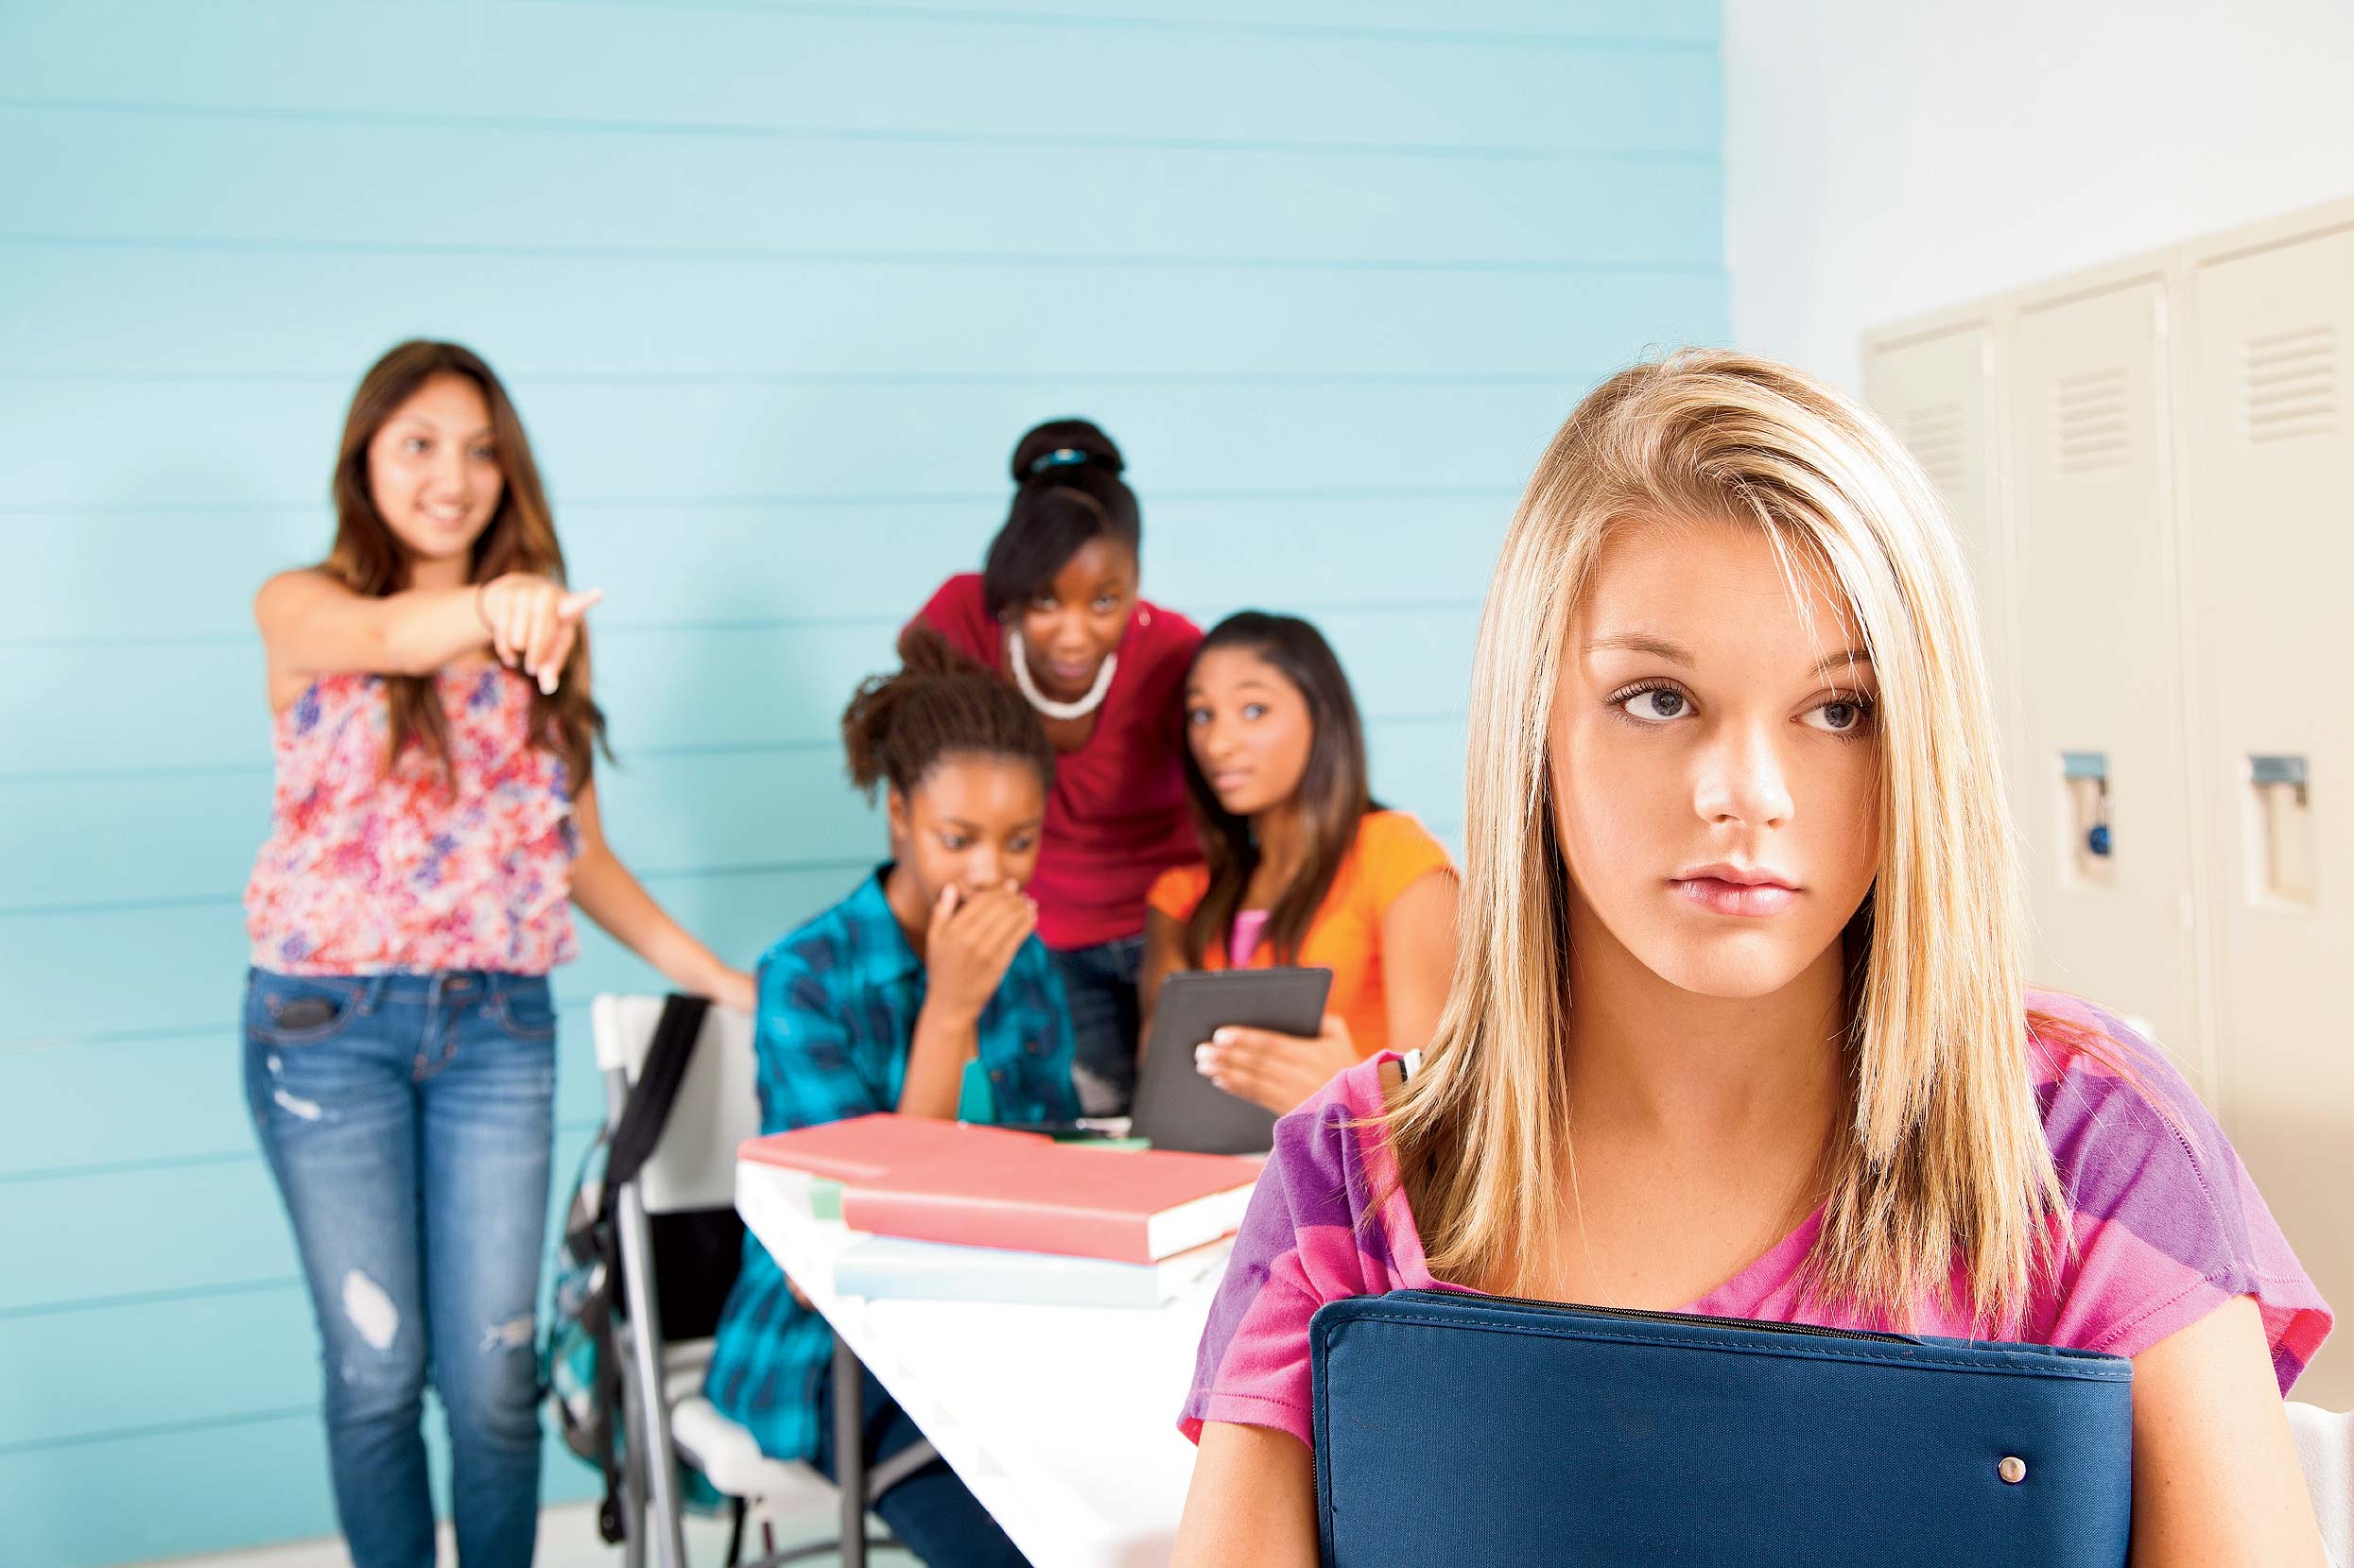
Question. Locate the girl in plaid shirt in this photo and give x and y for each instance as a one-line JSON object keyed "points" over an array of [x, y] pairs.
{"points": [[926, 991]]}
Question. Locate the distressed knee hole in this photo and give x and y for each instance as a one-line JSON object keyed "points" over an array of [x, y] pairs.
{"points": [[513, 1335], [370, 1310]]}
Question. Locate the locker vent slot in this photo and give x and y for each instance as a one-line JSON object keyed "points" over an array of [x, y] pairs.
{"points": [[2289, 383], [1934, 437], [2092, 420]]}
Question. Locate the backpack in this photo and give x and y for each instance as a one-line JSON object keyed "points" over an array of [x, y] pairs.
{"points": [[698, 1253]]}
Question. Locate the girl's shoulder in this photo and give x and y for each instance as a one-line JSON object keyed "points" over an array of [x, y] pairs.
{"points": [[1312, 1234], [1385, 830], [1333, 1146], [1393, 851], [1162, 626], [2164, 1221], [1160, 642], [2128, 1133], [824, 950], [958, 610], [1177, 891], [2099, 1075]]}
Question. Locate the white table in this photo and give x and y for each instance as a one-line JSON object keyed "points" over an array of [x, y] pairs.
{"points": [[1063, 1420]]}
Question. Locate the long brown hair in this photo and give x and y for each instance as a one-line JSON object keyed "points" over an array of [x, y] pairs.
{"points": [[521, 538], [1333, 795]]}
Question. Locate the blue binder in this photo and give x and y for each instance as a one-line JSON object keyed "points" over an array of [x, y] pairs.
{"points": [[1456, 1428]]}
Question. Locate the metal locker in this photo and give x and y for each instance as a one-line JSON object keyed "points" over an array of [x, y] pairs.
{"points": [[2099, 791], [2268, 569], [1936, 389]]}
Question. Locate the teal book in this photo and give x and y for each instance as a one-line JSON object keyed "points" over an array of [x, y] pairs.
{"points": [[892, 1267]]}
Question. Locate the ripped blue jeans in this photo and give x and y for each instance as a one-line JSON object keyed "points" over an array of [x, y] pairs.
{"points": [[409, 1120]]}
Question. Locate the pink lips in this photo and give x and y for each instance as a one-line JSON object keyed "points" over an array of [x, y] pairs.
{"points": [[1727, 890]]}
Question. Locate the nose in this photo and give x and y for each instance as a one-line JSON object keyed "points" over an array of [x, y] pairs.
{"points": [[447, 473], [1214, 742], [983, 868], [1741, 780]]}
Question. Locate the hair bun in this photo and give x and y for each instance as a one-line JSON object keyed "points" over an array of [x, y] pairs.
{"points": [[1061, 446]]}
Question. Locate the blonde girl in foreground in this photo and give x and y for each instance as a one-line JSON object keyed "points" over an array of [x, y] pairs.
{"points": [[1737, 1025]]}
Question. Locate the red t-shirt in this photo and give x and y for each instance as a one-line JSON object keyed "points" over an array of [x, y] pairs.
{"points": [[1118, 818]]}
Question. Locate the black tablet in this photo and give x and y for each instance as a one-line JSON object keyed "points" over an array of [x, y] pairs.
{"points": [[1176, 1107]]}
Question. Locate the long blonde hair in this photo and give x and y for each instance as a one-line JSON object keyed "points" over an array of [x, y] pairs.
{"points": [[1945, 1154]]}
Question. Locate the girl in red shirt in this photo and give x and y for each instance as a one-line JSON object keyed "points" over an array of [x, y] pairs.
{"points": [[1055, 610]]}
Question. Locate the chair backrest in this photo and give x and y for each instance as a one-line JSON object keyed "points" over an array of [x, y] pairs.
{"points": [[719, 1104], [2325, 1446]]}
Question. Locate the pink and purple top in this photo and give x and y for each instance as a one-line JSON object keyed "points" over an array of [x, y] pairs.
{"points": [[2167, 1226], [369, 871]]}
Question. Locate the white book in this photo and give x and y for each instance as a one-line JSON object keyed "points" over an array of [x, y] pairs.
{"points": [[891, 1266]]}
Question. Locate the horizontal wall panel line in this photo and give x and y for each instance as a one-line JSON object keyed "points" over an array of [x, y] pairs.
{"points": [[113, 1037], [246, 1418], [235, 901], [625, 755], [1233, 27], [263, 770], [122, 905], [564, 1127], [125, 1168], [773, 623], [520, 375], [1212, 146], [1711, 268], [192, 770], [781, 500], [148, 1297]]}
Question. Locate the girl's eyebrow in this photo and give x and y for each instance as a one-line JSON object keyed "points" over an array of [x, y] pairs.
{"points": [[426, 420], [1639, 642], [1676, 653]]}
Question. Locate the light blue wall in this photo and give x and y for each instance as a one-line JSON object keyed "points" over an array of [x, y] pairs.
{"points": [[776, 285]]}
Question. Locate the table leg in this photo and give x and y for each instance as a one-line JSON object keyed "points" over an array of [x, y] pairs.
{"points": [[850, 1450]]}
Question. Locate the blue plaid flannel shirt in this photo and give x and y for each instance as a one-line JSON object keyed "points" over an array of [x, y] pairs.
{"points": [[838, 1005]]}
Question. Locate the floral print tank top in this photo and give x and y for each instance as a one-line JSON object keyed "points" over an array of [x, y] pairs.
{"points": [[413, 869]]}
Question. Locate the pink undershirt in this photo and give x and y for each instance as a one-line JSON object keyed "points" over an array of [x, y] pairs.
{"points": [[1244, 941]]}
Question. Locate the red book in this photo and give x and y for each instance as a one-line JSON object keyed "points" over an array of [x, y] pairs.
{"points": [[1126, 1205], [865, 1148]]}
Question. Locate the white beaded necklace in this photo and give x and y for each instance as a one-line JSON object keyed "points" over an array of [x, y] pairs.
{"points": [[1018, 659]]}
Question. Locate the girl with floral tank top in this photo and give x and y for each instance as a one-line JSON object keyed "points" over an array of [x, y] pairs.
{"points": [[1737, 1025], [435, 820]]}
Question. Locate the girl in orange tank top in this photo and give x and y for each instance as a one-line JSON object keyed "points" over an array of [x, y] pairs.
{"points": [[1303, 866]]}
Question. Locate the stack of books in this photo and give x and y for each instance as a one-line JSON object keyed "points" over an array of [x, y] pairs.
{"points": [[956, 1211]]}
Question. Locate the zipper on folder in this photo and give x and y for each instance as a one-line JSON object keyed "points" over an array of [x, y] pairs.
{"points": [[1689, 1319]]}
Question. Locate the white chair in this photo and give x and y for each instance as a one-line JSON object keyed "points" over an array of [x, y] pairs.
{"points": [[666, 1420], [2325, 1446]]}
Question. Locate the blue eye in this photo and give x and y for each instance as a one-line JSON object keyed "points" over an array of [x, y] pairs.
{"points": [[1654, 705], [1841, 715], [1255, 709]]}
